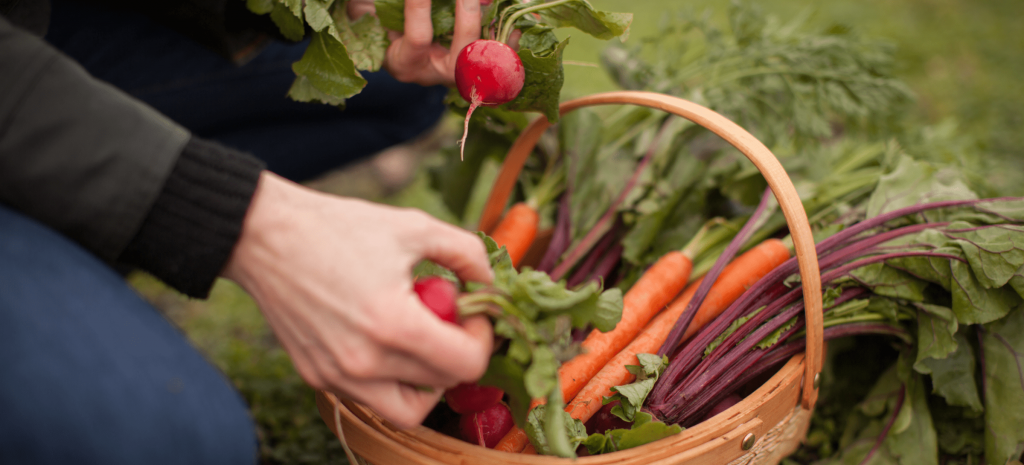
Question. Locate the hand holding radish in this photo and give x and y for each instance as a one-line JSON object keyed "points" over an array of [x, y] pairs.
{"points": [[333, 278], [414, 57]]}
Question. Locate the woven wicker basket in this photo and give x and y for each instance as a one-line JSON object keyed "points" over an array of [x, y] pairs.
{"points": [[763, 428]]}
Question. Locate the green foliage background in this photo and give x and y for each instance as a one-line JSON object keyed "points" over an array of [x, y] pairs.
{"points": [[962, 59]]}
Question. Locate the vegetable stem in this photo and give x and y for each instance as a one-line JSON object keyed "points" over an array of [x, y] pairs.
{"points": [[506, 30], [748, 229], [605, 222]]}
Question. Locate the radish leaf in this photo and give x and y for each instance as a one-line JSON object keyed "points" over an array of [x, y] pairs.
{"points": [[260, 7], [365, 39], [581, 15], [288, 19], [328, 68], [543, 85]]}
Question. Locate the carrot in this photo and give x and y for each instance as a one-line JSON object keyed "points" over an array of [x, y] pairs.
{"points": [[739, 275], [651, 293], [588, 401], [517, 230]]}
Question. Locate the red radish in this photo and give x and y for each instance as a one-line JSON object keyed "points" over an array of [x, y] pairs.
{"points": [[438, 294], [488, 73], [486, 428], [472, 397], [603, 420]]}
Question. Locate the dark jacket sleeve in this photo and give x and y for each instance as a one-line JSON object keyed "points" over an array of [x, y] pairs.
{"points": [[113, 174], [70, 146]]}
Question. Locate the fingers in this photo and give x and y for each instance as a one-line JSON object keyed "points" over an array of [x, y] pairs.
{"points": [[513, 39], [460, 353], [403, 405], [357, 8], [467, 26], [419, 32], [456, 249]]}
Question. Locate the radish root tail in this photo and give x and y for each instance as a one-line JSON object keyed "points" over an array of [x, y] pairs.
{"points": [[465, 128]]}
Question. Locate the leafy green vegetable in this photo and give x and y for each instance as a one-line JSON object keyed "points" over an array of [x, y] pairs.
{"points": [[936, 328], [327, 68], [581, 15], [953, 375], [914, 182], [288, 18], [767, 74], [542, 86], [364, 38], [1002, 345], [536, 315], [915, 440], [543, 420], [645, 430], [632, 396]]}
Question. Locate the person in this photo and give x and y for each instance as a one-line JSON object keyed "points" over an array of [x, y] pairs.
{"points": [[92, 178]]}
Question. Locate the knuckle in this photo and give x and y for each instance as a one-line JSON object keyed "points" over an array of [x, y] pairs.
{"points": [[359, 364]]}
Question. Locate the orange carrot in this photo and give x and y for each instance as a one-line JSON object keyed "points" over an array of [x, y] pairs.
{"points": [[747, 270], [651, 293], [517, 230], [739, 275]]}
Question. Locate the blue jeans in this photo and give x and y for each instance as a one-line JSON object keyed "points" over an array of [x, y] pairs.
{"points": [[244, 107], [92, 374]]}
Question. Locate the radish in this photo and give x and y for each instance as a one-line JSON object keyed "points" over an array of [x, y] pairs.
{"points": [[438, 294], [472, 397], [486, 428], [488, 73], [603, 420]]}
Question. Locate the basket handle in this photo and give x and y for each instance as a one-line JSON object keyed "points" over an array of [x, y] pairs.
{"points": [[754, 150]]}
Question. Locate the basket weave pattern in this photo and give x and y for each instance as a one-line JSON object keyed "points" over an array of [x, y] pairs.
{"points": [[780, 441]]}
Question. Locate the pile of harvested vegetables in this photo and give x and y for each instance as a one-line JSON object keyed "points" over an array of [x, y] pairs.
{"points": [[922, 305], [644, 278]]}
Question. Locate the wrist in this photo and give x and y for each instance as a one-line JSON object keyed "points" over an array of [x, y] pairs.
{"points": [[267, 217]]}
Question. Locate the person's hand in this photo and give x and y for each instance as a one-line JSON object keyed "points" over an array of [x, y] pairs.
{"points": [[414, 57], [333, 277]]}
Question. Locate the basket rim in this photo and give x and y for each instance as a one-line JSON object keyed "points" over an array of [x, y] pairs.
{"points": [[756, 414]]}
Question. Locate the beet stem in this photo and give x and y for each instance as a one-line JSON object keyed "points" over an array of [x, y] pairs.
{"points": [[604, 222], [585, 270], [741, 237], [560, 238], [888, 426]]}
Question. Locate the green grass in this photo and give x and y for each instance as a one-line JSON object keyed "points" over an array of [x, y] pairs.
{"points": [[963, 60]]}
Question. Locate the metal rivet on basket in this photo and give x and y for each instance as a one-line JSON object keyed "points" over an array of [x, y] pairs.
{"points": [[817, 381], [748, 441]]}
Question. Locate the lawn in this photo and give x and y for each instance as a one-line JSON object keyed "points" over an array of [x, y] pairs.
{"points": [[962, 59]]}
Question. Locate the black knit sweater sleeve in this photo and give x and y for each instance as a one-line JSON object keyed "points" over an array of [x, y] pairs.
{"points": [[189, 233]]}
